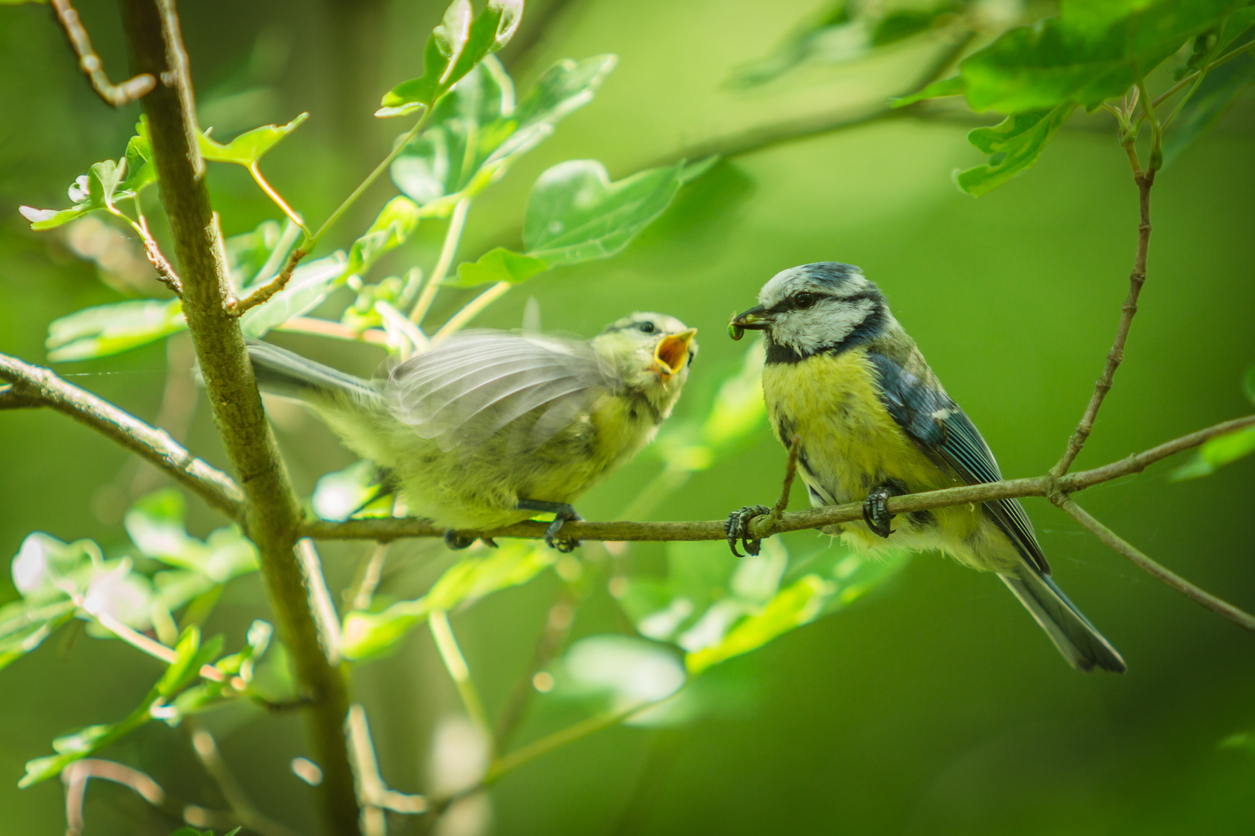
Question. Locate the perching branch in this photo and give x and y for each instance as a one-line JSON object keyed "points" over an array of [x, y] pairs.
{"points": [[271, 514], [1144, 180], [34, 386], [114, 95], [1049, 485], [1141, 561]]}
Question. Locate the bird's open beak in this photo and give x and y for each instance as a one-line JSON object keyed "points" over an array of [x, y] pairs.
{"points": [[672, 353], [755, 319]]}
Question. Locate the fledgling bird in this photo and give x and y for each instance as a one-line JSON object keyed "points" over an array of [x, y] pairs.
{"points": [[874, 421], [491, 428]]}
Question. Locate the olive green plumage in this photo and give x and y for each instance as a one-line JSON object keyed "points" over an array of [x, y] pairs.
{"points": [[488, 420], [843, 376]]}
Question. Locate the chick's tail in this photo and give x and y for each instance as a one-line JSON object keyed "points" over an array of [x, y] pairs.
{"points": [[1078, 640], [282, 372]]}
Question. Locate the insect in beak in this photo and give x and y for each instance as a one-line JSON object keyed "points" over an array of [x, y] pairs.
{"points": [[672, 353], [755, 319]]}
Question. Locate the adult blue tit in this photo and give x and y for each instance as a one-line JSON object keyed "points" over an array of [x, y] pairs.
{"points": [[491, 428], [873, 421]]}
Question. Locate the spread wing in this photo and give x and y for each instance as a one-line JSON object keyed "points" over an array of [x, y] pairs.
{"points": [[480, 383], [945, 433]]}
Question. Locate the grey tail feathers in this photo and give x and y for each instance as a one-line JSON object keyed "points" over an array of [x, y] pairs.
{"points": [[282, 372], [1078, 640]]}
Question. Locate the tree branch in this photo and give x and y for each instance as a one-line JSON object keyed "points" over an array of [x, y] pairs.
{"points": [[114, 95], [1141, 561], [1057, 488], [35, 386], [271, 514], [1137, 278]]}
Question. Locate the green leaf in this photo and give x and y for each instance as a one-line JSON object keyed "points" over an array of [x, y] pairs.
{"points": [[247, 148], [395, 223], [846, 32], [155, 523], [90, 192], [338, 495], [612, 673], [476, 133], [794, 606], [369, 635], [500, 265], [574, 212], [110, 329], [1217, 452], [1215, 94], [1013, 145], [453, 50], [24, 625], [1089, 53], [310, 284], [937, 90]]}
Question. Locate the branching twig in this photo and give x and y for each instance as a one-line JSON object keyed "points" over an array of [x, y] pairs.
{"points": [[76, 775], [1137, 278], [1141, 561], [271, 514], [237, 307], [36, 386], [114, 95]]}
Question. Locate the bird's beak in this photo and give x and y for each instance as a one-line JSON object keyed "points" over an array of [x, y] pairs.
{"points": [[672, 353], [755, 319]]}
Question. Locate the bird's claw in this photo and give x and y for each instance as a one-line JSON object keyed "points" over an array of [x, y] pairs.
{"points": [[456, 540], [737, 528], [563, 544], [876, 510]]}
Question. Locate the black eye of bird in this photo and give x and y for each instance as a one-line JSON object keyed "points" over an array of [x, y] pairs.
{"points": [[804, 300], [646, 327]]}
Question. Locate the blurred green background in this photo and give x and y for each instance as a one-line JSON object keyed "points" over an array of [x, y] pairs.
{"points": [[933, 707]]}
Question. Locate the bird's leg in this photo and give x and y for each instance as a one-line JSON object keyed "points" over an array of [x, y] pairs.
{"points": [[876, 509], [737, 528], [562, 513]]}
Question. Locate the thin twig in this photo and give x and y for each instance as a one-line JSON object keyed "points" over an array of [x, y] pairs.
{"points": [[33, 383], [1137, 278], [391, 528], [459, 672], [335, 330], [237, 307], [114, 95], [1141, 561], [373, 792], [76, 775], [276, 197], [470, 311], [558, 622], [206, 749], [165, 272], [453, 235]]}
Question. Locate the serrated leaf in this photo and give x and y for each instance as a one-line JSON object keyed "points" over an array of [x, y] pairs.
{"points": [[440, 55], [574, 212], [392, 227], [111, 329], [1089, 53], [476, 133], [249, 147], [369, 635], [1013, 145], [1207, 104], [500, 265], [310, 284], [155, 523]]}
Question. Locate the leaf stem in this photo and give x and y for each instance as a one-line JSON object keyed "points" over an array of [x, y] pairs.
{"points": [[459, 671], [278, 200], [457, 222], [471, 310]]}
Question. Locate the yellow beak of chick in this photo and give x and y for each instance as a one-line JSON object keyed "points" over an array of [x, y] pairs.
{"points": [[671, 354]]}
